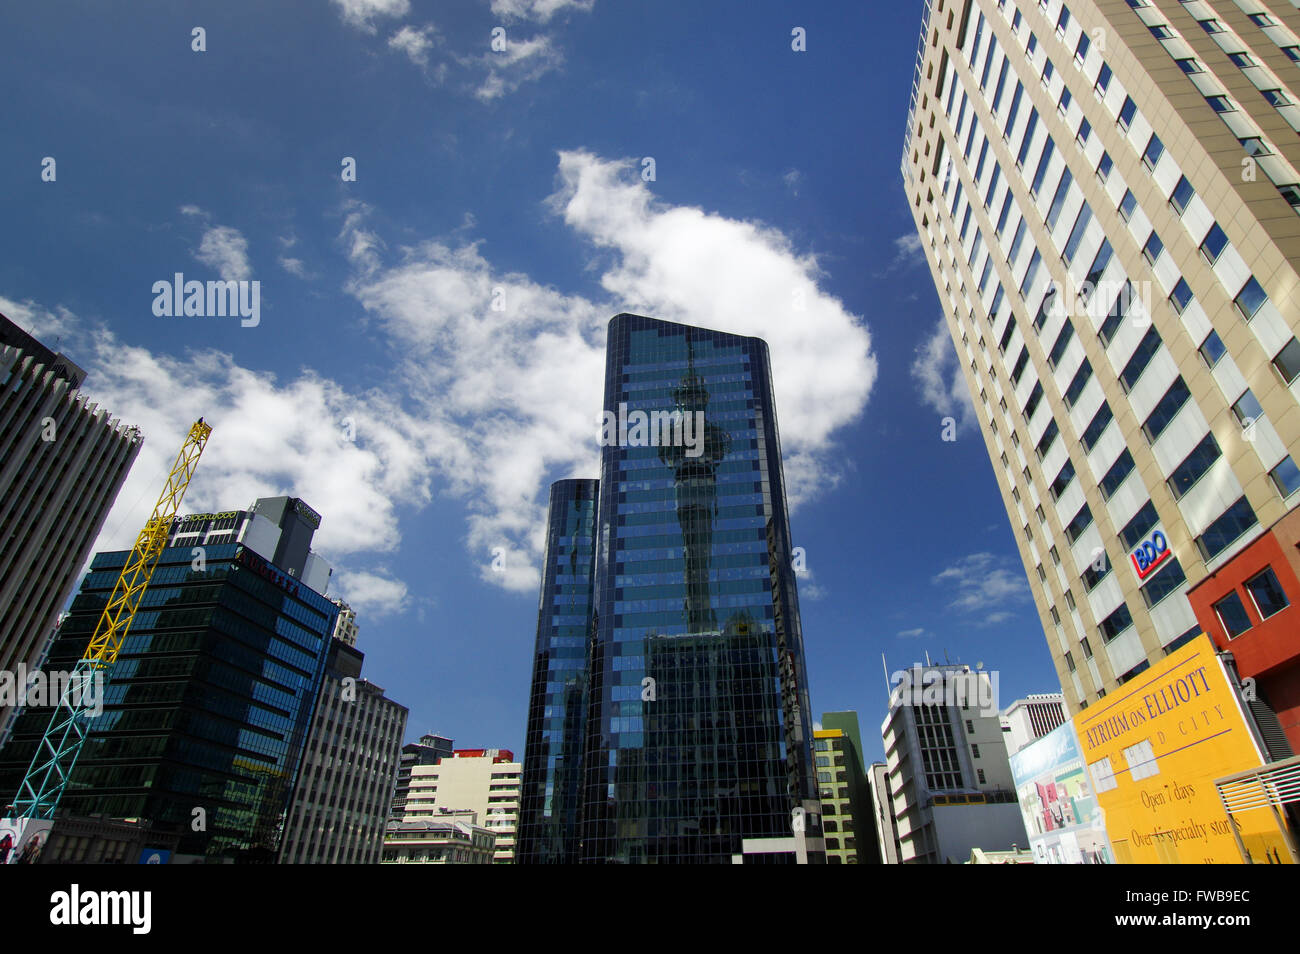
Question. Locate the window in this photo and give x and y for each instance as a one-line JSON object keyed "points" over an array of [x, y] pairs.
{"points": [[1063, 102], [1016, 240], [1002, 79], [1234, 521], [1062, 342], [1212, 349], [1030, 127], [1287, 361], [1127, 112], [1092, 576], [1194, 466], [1078, 383], [1241, 59], [1002, 216], [1103, 80], [1232, 615], [1076, 233], [1063, 21], [1254, 146], [1048, 439], [1006, 334], [1097, 426], [1189, 65], [1292, 53], [1267, 593], [1095, 271], [993, 184], [1251, 298], [1116, 623], [1154, 150], [1276, 97], [1062, 480], [1220, 104], [1118, 472], [1117, 313], [1152, 249], [1048, 148], [1031, 405], [1048, 72], [1169, 579], [1087, 649], [1286, 477], [1082, 520], [1133, 532], [1142, 355], [1182, 195], [1247, 409], [1015, 109], [1020, 366], [975, 750], [1181, 296], [1262, 19], [1081, 48], [1058, 199], [1161, 32], [1127, 204], [1030, 273], [1215, 242], [1165, 410], [1211, 25], [1104, 166], [1085, 130]]}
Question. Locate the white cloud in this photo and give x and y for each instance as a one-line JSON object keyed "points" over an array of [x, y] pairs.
{"points": [[226, 250], [792, 179], [372, 595], [362, 13], [293, 266], [510, 398], [522, 61], [414, 43], [940, 379], [980, 582], [267, 437], [540, 10], [911, 633]]}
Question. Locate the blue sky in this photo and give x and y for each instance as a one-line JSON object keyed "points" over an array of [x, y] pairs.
{"points": [[430, 345]]}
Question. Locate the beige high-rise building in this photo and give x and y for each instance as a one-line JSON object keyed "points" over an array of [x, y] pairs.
{"points": [[485, 781], [1107, 194]]}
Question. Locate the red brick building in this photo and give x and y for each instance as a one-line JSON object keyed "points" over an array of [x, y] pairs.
{"points": [[1250, 606]]}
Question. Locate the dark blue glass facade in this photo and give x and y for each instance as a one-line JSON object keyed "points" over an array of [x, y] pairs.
{"points": [[698, 733], [206, 707], [557, 708]]}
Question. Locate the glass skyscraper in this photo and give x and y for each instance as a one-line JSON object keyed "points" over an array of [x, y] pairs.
{"points": [[698, 743], [548, 804], [206, 707]]}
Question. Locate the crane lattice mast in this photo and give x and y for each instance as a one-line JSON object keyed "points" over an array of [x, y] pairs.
{"points": [[56, 756]]}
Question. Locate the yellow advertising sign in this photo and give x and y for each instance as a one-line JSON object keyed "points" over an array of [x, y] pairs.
{"points": [[1154, 749]]}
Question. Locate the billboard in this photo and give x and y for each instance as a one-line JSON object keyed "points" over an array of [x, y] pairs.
{"points": [[23, 839], [1153, 749], [1057, 803]]}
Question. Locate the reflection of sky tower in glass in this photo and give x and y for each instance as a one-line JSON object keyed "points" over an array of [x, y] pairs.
{"points": [[695, 481]]}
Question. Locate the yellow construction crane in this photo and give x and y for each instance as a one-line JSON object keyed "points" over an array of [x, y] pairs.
{"points": [[55, 758]]}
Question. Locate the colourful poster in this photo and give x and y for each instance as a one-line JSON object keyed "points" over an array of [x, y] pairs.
{"points": [[1060, 810]]}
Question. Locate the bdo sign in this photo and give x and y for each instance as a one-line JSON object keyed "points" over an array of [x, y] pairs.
{"points": [[1151, 554]]}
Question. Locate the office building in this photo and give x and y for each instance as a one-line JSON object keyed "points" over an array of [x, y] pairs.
{"points": [[349, 765], [1029, 719], [207, 707], [557, 707], [427, 751], [1107, 193], [950, 784], [882, 803], [444, 838], [847, 811], [1248, 609], [484, 781], [698, 739], [62, 462]]}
